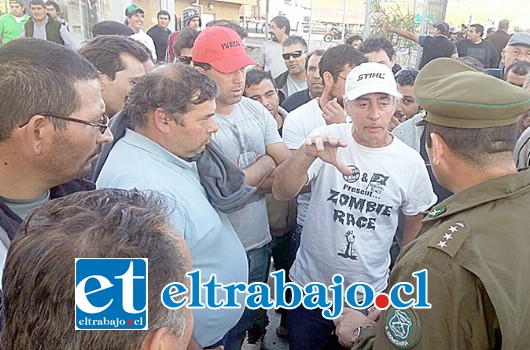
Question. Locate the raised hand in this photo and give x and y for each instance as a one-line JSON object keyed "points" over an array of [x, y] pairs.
{"points": [[325, 147]]}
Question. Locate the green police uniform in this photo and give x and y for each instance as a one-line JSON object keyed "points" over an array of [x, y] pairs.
{"points": [[475, 245]]}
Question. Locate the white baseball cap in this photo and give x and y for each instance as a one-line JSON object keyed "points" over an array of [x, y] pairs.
{"points": [[369, 78]]}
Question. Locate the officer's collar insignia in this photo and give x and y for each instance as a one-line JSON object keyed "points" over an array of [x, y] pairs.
{"points": [[436, 211], [402, 327]]}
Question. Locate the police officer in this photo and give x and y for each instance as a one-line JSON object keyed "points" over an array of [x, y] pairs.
{"points": [[474, 245]]}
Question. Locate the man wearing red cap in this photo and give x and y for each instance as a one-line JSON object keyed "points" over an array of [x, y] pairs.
{"points": [[248, 136]]}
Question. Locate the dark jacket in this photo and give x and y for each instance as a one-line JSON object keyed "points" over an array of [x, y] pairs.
{"points": [[52, 30], [10, 221], [280, 82]]}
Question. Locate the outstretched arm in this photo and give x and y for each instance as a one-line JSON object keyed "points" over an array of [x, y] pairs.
{"points": [[291, 176], [404, 34]]}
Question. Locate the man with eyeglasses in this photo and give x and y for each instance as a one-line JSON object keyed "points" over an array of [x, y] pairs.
{"points": [[120, 63], [358, 188], [183, 44], [294, 56], [50, 134]]}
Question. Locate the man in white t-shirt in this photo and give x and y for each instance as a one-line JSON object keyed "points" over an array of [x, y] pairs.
{"points": [[361, 178], [135, 17], [334, 66]]}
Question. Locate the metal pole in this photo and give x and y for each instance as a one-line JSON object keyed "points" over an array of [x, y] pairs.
{"points": [[344, 21], [367, 17], [310, 24], [267, 19]]}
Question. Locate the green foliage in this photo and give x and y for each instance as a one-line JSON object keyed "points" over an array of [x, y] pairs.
{"points": [[390, 13]]}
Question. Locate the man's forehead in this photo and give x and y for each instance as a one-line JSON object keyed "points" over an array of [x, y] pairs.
{"points": [[263, 87], [373, 96], [314, 60]]}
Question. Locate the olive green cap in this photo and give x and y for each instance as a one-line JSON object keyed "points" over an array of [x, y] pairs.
{"points": [[455, 95]]}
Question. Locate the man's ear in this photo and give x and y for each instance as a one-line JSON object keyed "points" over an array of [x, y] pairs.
{"points": [[438, 148], [200, 69], [102, 80], [328, 79], [36, 131], [162, 120], [162, 339]]}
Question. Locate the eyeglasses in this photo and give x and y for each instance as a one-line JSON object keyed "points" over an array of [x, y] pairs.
{"points": [[340, 76], [183, 59], [294, 54], [102, 124]]}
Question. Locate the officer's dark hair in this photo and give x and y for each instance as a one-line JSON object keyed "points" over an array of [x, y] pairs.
{"points": [[39, 275], [282, 22], [336, 58], [256, 76], [479, 28], [295, 40], [163, 13], [174, 88], [317, 53], [105, 53], [55, 5], [476, 146], [376, 43], [185, 40], [353, 38], [38, 76]]}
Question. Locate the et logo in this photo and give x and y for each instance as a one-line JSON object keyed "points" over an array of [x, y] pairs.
{"points": [[111, 294]]}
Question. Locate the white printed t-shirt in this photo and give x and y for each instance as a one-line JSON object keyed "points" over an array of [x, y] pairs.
{"points": [[351, 221], [299, 124]]}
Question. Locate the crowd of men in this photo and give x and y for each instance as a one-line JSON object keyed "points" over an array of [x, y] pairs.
{"points": [[327, 162]]}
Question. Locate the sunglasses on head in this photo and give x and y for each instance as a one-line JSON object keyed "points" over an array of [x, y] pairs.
{"points": [[295, 54], [183, 59]]}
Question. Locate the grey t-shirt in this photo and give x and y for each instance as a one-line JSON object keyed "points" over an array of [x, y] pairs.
{"points": [[22, 208], [243, 136], [291, 86], [270, 58]]}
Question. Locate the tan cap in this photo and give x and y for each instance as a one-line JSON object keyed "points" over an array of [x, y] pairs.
{"points": [[458, 96]]}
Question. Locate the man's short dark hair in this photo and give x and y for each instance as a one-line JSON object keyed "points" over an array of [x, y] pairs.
{"points": [[519, 68], [256, 76], [282, 22], [295, 40], [336, 58], [316, 53], [105, 53], [479, 28], [406, 77], [185, 40], [37, 2], [39, 274], [353, 38], [163, 13], [376, 43], [38, 76], [54, 4], [476, 147], [504, 24], [229, 24], [175, 88]]}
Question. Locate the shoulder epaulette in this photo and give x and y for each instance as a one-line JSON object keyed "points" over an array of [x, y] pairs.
{"points": [[449, 237]]}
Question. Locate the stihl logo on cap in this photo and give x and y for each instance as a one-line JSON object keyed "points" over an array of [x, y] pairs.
{"points": [[371, 76], [230, 44]]}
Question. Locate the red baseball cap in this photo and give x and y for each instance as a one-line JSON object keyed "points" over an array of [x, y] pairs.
{"points": [[222, 48]]}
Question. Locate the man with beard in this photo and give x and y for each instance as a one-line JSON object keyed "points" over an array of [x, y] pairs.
{"points": [[248, 137], [334, 66], [270, 57], [135, 17], [294, 79], [49, 134], [313, 80]]}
